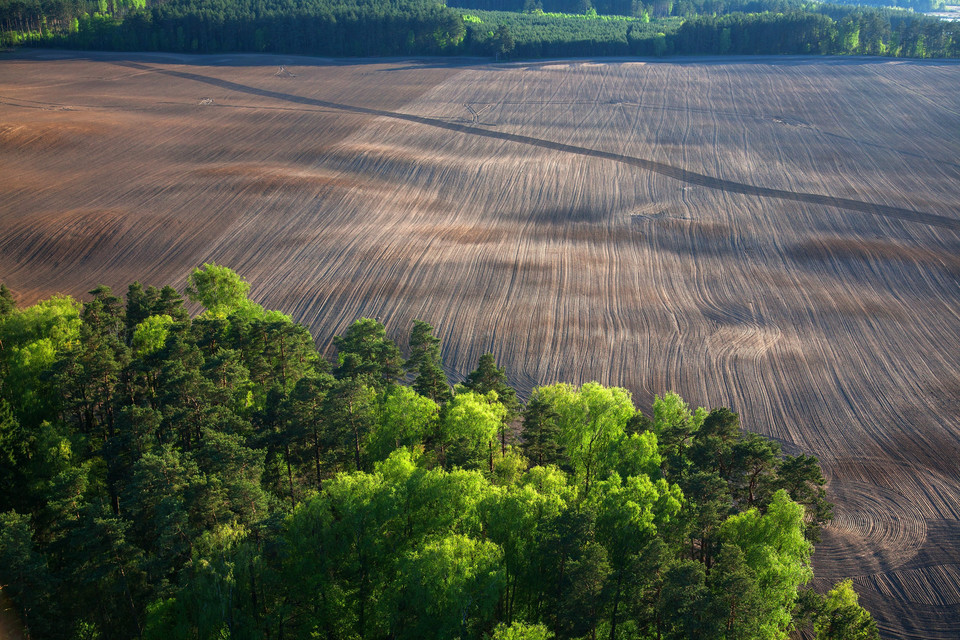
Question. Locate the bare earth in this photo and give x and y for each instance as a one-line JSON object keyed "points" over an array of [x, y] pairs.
{"points": [[778, 235]]}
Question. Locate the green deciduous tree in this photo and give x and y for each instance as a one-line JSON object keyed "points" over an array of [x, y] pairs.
{"points": [[405, 419], [449, 589], [775, 549], [842, 617], [488, 377], [218, 289], [33, 340], [150, 335], [521, 631], [469, 429], [674, 424], [591, 420]]}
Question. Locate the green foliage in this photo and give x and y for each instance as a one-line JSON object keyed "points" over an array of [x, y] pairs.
{"points": [[8, 303], [26, 577], [519, 28], [736, 594], [774, 548], [144, 303], [450, 588], [424, 363], [591, 421], [508, 467], [350, 408], [188, 478], [150, 335], [218, 289], [521, 631], [801, 477], [638, 454], [541, 433], [503, 42], [469, 429], [543, 35], [365, 351], [219, 570], [405, 419], [55, 320], [488, 377], [674, 424], [33, 340], [842, 617]]}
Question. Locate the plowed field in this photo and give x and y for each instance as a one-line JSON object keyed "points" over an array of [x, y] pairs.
{"points": [[781, 236]]}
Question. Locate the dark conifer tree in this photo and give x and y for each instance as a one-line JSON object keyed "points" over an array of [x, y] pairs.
{"points": [[430, 379], [540, 435], [488, 377], [365, 351], [8, 303]]}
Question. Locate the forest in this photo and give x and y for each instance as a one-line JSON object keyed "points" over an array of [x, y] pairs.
{"points": [[502, 28], [172, 474], [817, 30]]}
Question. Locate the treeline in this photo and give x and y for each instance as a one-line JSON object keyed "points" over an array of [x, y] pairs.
{"points": [[215, 477], [421, 27], [831, 30], [827, 30], [319, 27], [41, 18], [635, 8], [680, 8], [553, 36], [915, 5]]}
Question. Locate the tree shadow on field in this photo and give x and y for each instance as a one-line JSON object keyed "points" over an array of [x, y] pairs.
{"points": [[677, 173]]}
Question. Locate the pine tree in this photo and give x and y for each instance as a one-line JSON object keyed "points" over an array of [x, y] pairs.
{"points": [[8, 304], [488, 377], [541, 434], [430, 380], [365, 350]]}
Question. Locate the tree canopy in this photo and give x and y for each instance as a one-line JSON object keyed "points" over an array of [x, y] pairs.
{"points": [[503, 28], [174, 477]]}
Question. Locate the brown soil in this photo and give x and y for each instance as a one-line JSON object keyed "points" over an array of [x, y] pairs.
{"points": [[774, 235]]}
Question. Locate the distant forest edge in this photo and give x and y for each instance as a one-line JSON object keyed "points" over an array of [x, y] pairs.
{"points": [[502, 28], [168, 477]]}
